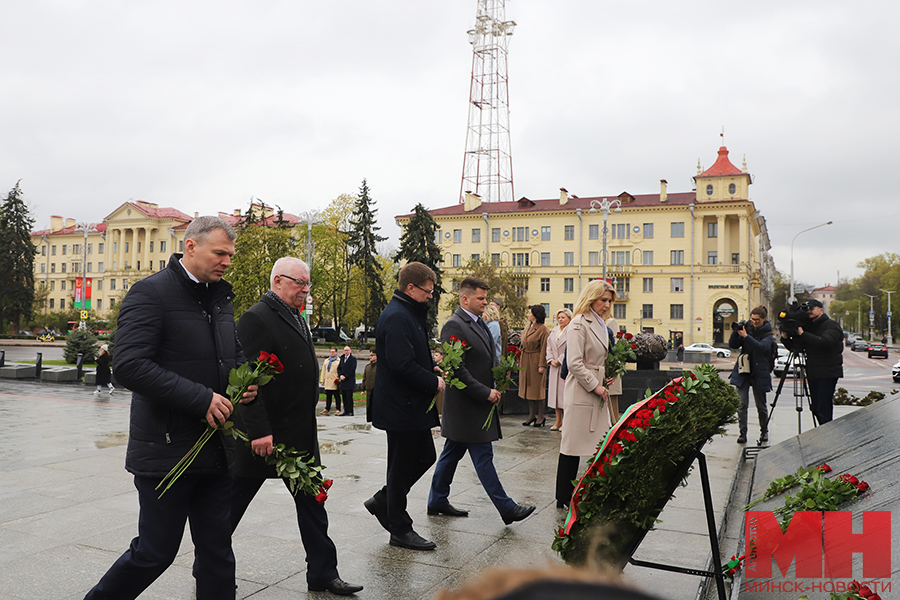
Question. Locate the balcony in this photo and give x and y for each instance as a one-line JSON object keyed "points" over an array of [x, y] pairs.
{"points": [[619, 269], [723, 269]]}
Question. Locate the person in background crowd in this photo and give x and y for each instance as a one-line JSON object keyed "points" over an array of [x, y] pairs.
{"points": [[504, 327], [347, 381], [588, 415], [369, 382], [405, 384], [491, 318], [533, 366], [104, 377], [329, 380], [556, 351], [284, 412]]}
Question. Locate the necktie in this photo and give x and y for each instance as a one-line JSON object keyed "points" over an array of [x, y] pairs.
{"points": [[484, 328]]}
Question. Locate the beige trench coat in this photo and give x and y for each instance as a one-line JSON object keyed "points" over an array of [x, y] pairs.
{"points": [[533, 384], [329, 377], [556, 348], [587, 417]]}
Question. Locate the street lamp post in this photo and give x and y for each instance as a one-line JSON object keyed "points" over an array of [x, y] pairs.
{"points": [[86, 228], [312, 218], [871, 315], [605, 205], [793, 298], [890, 340]]}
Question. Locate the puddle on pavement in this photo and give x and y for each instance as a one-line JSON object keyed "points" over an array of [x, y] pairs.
{"points": [[119, 438], [332, 447]]}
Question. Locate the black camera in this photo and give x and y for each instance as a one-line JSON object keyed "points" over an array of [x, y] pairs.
{"points": [[739, 325], [796, 315]]}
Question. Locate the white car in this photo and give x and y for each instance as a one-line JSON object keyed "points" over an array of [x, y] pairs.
{"points": [[720, 352], [895, 372], [781, 363]]}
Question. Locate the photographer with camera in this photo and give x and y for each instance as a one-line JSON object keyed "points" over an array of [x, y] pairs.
{"points": [[752, 368], [823, 341]]}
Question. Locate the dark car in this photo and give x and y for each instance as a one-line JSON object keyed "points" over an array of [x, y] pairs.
{"points": [[860, 346], [877, 349]]}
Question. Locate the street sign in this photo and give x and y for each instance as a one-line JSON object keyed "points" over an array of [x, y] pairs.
{"points": [[84, 315], [889, 314], [871, 314]]}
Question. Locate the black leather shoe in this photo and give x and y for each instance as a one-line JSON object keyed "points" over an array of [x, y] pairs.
{"points": [[447, 509], [412, 541], [336, 586], [742, 439], [764, 436], [518, 513], [379, 511]]}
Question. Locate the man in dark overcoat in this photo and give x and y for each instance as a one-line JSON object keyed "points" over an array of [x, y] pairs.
{"points": [[405, 385], [284, 412], [347, 374], [176, 344], [466, 410]]}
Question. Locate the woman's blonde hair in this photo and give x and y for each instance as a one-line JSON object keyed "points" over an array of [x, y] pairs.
{"points": [[591, 293], [490, 314], [566, 312]]}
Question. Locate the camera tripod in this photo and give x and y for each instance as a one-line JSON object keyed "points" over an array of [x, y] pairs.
{"points": [[796, 360]]}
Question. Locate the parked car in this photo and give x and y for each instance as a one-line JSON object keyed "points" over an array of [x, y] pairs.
{"points": [[850, 339], [330, 335], [720, 352], [781, 363], [877, 349], [895, 372], [25, 332], [860, 345]]}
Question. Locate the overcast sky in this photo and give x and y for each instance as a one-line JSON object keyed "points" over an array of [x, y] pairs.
{"points": [[201, 105]]}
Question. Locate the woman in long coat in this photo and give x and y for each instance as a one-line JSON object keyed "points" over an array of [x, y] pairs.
{"points": [[586, 415], [556, 350], [533, 365]]}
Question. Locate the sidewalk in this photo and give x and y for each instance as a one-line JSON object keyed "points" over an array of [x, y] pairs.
{"points": [[69, 508]]}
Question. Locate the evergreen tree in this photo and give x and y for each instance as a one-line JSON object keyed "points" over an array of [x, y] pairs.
{"points": [[81, 342], [362, 239], [16, 261], [417, 244]]}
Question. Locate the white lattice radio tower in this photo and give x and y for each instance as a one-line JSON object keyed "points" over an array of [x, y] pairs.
{"points": [[487, 168]]}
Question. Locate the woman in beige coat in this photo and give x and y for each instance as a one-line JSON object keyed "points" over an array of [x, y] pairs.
{"points": [[556, 350], [586, 415], [533, 366]]}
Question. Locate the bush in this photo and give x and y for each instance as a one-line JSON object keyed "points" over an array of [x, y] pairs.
{"points": [[81, 342]]}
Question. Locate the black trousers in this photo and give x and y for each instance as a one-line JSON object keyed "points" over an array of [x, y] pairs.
{"points": [[410, 455], [193, 498], [821, 395], [336, 394], [347, 396], [321, 554], [566, 473]]}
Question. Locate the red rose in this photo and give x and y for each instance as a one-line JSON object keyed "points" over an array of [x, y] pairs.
{"points": [[263, 356], [634, 346], [628, 336], [560, 532], [321, 497], [327, 484], [862, 486], [823, 468], [620, 334], [849, 479], [511, 348], [453, 338], [464, 344], [276, 364]]}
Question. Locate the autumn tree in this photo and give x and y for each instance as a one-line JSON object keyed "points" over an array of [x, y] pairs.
{"points": [[256, 249], [417, 244], [336, 292], [504, 283], [363, 239], [16, 261]]}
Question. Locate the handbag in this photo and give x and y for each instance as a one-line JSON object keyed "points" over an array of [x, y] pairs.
{"points": [[744, 364]]}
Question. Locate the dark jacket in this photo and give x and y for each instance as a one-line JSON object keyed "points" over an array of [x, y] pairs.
{"points": [[760, 346], [405, 382], [823, 342], [103, 374], [284, 408], [175, 345], [347, 368], [466, 410]]}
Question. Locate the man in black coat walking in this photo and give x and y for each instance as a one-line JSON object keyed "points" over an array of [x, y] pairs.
{"points": [[347, 375], [176, 344], [405, 384], [466, 410], [751, 369], [823, 342], [284, 412]]}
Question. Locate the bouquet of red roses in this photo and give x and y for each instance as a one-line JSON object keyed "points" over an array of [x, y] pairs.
{"points": [[620, 353]]}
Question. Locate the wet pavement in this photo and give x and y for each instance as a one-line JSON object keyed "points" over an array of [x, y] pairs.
{"points": [[68, 508]]}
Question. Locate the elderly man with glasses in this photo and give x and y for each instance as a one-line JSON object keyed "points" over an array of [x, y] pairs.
{"points": [[753, 367]]}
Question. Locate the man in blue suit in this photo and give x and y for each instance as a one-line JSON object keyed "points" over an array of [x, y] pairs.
{"points": [[466, 410]]}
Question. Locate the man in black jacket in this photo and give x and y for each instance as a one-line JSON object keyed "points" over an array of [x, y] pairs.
{"points": [[405, 385], [751, 369], [823, 342], [175, 346], [284, 412], [347, 376], [466, 410]]}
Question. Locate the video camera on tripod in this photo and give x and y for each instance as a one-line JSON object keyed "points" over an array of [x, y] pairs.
{"points": [[796, 315]]}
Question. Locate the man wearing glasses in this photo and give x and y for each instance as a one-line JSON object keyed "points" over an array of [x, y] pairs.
{"points": [[753, 367], [284, 412], [405, 384]]}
